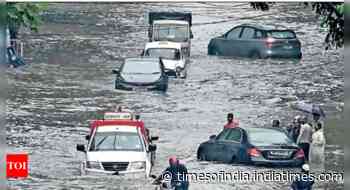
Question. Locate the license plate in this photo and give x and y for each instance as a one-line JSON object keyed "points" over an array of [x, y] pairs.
{"points": [[140, 89], [279, 153], [288, 47]]}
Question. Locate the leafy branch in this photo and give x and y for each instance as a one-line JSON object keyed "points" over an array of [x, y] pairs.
{"points": [[23, 14]]}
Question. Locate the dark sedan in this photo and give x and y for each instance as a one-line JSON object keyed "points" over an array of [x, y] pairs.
{"points": [[141, 74], [254, 145], [256, 42]]}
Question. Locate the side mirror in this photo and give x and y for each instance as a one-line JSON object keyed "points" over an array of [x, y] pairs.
{"points": [[81, 148], [191, 35], [152, 147], [212, 137], [154, 138], [87, 137], [115, 71]]}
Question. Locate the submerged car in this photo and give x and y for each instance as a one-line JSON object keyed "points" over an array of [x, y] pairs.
{"points": [[118, 145], [256, 42], [141, 74], [253, 145], [173, 58]]}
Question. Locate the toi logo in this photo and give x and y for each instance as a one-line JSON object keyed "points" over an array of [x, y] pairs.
{"points": [[16, 165]]}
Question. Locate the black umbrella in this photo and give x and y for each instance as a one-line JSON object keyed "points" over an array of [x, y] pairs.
{"points": [[310, 108]]}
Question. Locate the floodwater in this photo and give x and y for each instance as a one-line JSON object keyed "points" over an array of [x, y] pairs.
{"points": [[68, 82]]}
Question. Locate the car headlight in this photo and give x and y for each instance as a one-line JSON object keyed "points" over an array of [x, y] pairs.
{"points": [[93, 165], [137, 165]]}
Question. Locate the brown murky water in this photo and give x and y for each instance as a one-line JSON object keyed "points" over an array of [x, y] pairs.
{"points": [[68, 80]]}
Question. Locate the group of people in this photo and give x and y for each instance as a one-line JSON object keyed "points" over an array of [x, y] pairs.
{"points": [[310, 137]]}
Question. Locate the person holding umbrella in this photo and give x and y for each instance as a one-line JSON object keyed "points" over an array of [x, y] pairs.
{"points": [[316, 111]]}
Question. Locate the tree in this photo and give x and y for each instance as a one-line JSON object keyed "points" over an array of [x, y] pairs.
{"points": [[331, 15], [23, 14]]}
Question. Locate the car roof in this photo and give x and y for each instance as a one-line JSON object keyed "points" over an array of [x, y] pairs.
{"points": [[170, 22], [262, 129], [121, 122], [163, 44], [265, 27], [142, 59], [117, 128]]}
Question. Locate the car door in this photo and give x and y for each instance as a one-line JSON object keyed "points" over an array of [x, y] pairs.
{"points": [[229, 44], [232, 145], [215, 146], [248, 42]]}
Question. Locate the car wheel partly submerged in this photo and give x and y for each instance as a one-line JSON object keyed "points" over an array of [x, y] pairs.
{"points": [[255, 55]]}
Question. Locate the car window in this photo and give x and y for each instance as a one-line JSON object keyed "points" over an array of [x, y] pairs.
{"points": [[234, 34], [234, 135], [143, 67], [248, 33], [222, 135], [262, 136], [258, 34], [281, 34]]}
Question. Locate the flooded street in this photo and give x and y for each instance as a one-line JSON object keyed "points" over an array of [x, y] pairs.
{"points": [[68, 82]]}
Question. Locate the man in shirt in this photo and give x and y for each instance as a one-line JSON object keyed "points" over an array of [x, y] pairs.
{"points": [[231, 122], [305, 137]]}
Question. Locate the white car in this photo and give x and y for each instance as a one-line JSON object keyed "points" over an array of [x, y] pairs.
{"points": [[173, 58], [118, 145]]}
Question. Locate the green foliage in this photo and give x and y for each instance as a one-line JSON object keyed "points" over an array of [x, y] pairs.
{"points": [[24, 14]]}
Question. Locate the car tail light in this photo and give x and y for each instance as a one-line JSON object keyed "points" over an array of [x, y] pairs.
{"points": [[254, 152], [269, 41], [300, 154]]}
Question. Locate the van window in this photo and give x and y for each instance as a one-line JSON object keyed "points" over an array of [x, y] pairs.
{"points": [[166, 53]]}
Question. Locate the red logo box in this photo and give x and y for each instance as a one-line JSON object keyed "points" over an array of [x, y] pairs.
{"points": [[17, 165]]}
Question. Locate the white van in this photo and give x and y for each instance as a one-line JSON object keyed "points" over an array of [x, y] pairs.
{"points": [[118, 147], [173, 58]]}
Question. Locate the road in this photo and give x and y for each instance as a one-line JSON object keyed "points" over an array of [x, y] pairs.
{"points": [[68, 82]]}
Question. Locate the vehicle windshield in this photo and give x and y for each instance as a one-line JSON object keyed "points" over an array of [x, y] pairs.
{"points": [[174, 33], [281, 34], [141, 67], [268, 137], [166, 53], [116, 141]]}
